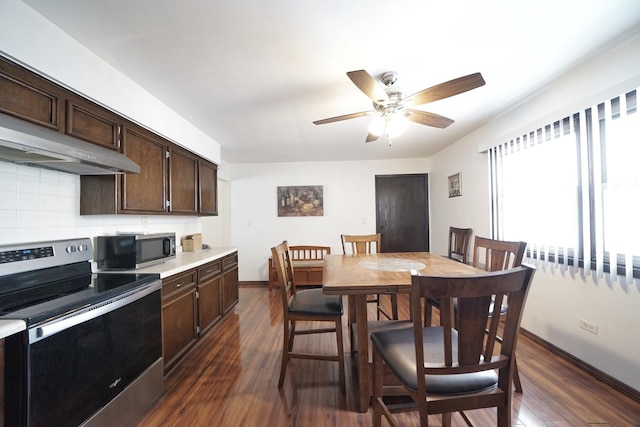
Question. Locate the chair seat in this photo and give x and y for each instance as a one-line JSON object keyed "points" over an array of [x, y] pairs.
{"points": [[314, 302], [397, 348], [318, 263]]}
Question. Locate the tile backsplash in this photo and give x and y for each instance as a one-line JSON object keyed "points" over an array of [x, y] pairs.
{"points": [[40, 204]]}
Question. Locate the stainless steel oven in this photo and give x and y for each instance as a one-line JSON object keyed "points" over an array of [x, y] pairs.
{"points": [[92, 351]]}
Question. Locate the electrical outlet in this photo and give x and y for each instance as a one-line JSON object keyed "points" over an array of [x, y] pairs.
{"points": [[145, 222], [588, 326]]}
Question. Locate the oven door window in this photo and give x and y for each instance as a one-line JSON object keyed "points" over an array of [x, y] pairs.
{"points": [[77, 371]]}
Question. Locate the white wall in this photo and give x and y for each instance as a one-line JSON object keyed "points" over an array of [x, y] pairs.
{"points": [[32, 40], [349, 206], [556, 301], [216, 230]]}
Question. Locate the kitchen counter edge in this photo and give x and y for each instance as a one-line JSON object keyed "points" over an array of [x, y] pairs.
{"points": [[185, 261]]}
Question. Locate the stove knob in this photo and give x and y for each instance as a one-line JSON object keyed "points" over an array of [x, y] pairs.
{"points": [[71, 249], [82, 248]]}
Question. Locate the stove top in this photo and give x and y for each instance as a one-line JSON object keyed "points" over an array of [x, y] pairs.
{"points": [[42, 281], [90, 290]]}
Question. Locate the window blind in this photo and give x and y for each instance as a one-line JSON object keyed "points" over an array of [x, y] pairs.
{"points": [[570, 189]]}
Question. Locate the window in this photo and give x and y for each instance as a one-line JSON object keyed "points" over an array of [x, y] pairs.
{"points": [[571, 189]]}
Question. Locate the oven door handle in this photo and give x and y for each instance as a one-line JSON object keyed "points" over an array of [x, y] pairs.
{"points": [[91, 312]]}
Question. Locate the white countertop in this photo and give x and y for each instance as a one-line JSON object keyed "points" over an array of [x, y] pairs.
{"points": [[11, 326], [185, 261]]}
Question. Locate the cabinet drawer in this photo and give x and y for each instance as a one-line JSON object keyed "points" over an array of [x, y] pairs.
{"points": [[230, 262], [209, 270], [179, 283]]}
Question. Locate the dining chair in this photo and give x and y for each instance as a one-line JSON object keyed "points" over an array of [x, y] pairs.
{"points": [[368, 244], [459, 239], [491, 255], [308, 305], [458, 250], [451, 369]]}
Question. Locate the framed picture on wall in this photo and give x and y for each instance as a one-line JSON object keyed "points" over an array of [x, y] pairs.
{"points": [[455, 185], [305, 200]]}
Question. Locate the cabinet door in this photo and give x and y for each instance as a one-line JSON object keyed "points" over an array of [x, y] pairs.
{"points": [[27, 96], [179, 332], [183, 182], [209, 293], [93, 123], [229, 282], [179, 316], [208, 188], [144, 192], [209, 308]]}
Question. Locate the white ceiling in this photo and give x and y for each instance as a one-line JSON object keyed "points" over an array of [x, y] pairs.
{"points": [[254, 74]]}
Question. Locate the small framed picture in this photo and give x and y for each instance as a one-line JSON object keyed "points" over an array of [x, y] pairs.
{"points": [[455, 185]]}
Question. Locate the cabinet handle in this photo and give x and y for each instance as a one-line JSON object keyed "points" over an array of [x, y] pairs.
{"points": [[178, 285], [209, 271]]}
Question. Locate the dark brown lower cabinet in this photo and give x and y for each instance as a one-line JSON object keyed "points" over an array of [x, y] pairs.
{"points": [[179, 316], [209, 295], [230, 294], [193, 302]]}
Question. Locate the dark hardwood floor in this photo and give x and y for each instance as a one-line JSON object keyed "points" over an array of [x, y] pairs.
{"points": [[230, 379]]}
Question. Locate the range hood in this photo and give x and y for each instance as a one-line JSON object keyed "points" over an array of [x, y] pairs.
{"points": [[28, 144]]}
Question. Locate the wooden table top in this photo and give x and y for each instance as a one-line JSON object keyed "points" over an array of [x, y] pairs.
{"points": [[384, 272]]}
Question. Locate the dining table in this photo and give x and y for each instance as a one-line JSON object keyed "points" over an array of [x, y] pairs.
{"points": [[359, 275]]}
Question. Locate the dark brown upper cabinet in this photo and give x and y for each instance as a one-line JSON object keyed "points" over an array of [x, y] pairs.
{"points": [[93, 123], [208, 188], [171, 179], [144, 192], [183, 182], [27, 96]]}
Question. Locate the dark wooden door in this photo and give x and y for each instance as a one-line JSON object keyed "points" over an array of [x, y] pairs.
{"points": [[402, 212]]}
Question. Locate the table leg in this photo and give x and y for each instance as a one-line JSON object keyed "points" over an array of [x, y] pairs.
{"points": [[351, 321], [351, 301], [364, 373]]}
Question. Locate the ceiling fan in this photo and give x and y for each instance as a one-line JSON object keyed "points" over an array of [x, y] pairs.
{"points": [[393, 109]]}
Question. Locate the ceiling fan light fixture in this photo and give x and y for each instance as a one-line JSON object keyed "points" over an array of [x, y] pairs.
{"points": [[377, 126], [396, 124]]}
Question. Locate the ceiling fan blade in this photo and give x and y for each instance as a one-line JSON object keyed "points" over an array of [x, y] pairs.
{"points": [[344, 117], [368, 86], [429, 119], [371, 137], [446, 89]]}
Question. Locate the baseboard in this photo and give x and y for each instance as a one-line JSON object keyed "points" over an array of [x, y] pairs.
{"points": [[254, 283], [594, 372]]}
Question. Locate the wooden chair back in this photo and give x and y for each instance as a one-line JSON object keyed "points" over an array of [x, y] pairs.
{"points": [[465, 348], [361, 244], [497, 255], [309, 253], [459, 239], [284, 267]]}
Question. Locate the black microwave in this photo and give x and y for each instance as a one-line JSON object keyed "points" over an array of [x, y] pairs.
{"points": [[130, 251]]}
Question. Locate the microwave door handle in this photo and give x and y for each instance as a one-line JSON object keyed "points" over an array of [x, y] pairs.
{"points": [[166, 246]]}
